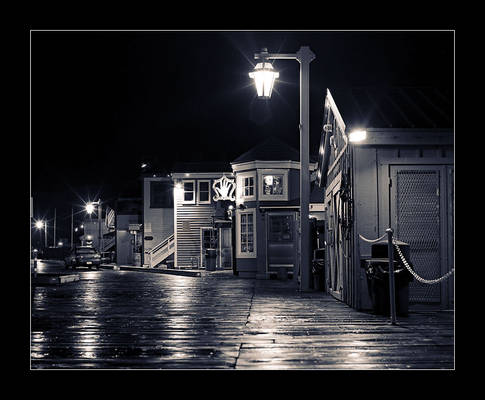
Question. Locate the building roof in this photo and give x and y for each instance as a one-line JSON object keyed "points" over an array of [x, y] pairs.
{"points": [[271, 149], [394, 107], [187, 167]]}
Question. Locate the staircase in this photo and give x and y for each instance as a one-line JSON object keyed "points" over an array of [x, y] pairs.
{"points": [[160, 252], [108, 243]]}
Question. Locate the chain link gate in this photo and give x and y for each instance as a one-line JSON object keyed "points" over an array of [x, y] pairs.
{"points": [[418, 222]]}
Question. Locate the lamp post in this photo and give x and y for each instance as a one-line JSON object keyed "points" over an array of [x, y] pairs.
{"points": [[264, 77], [89, 210]]}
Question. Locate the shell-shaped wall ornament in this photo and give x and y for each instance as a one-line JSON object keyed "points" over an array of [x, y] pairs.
{"points": [[224, 188]]}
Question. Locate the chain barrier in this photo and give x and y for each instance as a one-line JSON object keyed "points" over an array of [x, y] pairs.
{"points": [[412, 272], [373, 241], [418, 278]]}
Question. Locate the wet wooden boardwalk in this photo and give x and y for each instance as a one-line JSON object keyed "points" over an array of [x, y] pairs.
{"points": [[124, 319]]}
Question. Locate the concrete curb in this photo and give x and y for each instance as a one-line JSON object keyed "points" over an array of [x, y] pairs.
{"points": [[152, 270], [54, 279]]}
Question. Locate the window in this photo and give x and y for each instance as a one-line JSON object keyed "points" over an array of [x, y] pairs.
{"points": [[189, 192], [204, 192], [273, 184], [246, 238], [246, 187], [161, 195]]}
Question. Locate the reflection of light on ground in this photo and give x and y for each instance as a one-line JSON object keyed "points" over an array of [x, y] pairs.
{"points": [[87, 352]]}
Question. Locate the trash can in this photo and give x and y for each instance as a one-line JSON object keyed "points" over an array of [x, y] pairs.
{"points": [[210, 259], [318, 269], [377, 273]]}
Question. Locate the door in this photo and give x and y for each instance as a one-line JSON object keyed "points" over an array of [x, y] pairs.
{"points": [[209, 239], [225, 246], [418, 217], [335, 245], [281, 243]]}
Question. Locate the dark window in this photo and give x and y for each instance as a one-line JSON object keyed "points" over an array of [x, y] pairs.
{"points": [[161, 194], [203, 191], [188, 191]]}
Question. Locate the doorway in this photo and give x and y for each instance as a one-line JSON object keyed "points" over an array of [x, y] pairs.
{"points": [[281, 242], [419, 217]]}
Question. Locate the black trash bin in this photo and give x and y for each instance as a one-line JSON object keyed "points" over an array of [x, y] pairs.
{"points": [[318, 269], [210, 259], [377, 273]]}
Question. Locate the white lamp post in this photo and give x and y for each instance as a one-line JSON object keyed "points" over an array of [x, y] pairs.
{"points": [[264, 77]]}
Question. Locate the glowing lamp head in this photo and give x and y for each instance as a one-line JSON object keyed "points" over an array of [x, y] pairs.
{"points": [[39, 224], [89, 208], [264, 77], [357, 135]]}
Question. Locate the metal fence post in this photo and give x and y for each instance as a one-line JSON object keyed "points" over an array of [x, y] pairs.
{"points": [[392, 295]]}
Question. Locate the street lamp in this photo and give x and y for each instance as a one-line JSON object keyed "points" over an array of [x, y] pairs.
{"points": [[39, 225], [264, 77], [90, 209]]}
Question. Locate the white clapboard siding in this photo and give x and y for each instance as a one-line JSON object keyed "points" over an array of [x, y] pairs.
{"points": [[189, 219]]}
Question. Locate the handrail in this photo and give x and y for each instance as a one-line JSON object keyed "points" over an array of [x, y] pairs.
{"points": [[161, 244]]}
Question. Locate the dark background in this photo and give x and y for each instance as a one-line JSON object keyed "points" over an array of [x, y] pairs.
{"points": [[103, 102]]}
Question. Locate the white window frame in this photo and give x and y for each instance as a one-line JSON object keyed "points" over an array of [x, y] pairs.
{"points": [[240, 197], [198, 191], [194, 191], [271, 197], [240, 254]]}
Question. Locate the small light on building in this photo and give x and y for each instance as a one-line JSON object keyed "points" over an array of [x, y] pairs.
{"points": [[231, 207], [39, 224], [89, 237], [75, 229], [60, 244], [143, 165], [357, 135]]}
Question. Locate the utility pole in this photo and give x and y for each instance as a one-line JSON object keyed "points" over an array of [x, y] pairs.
{"points": [[54, 227], [72, 227]]}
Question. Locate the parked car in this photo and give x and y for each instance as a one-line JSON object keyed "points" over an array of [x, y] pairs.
{"points": [[83, 256]]}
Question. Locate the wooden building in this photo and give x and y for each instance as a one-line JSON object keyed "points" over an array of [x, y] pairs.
{"points": [[202, 197], [400, 176], [157, 227], [128, 237], [267, 210]]}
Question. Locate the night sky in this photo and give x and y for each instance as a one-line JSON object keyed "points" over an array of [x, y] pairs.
{"points": [[103, 102]]}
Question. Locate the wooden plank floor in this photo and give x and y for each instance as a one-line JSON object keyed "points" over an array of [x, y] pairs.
{"points": [[124, 319]]}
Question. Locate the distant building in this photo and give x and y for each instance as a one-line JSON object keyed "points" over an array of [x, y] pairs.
{"points": [[129, 231]]}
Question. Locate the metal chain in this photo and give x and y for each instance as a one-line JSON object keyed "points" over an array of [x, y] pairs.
{"points": [[422, 280], [373, 241]]}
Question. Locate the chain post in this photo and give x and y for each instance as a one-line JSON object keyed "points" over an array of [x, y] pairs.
{"points": [[392, 294]]}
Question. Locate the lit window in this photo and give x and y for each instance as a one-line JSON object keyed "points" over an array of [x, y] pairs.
{"points": [[273, 184], [246, 187]]}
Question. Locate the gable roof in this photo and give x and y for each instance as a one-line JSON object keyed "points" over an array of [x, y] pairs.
{"points": [[271, 149], [394, 107]]}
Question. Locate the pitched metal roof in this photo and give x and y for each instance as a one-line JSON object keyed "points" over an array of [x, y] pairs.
{"points": [[395, 107]]}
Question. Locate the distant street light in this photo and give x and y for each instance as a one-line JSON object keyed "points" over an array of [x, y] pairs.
{"points": [[90, 210], [39, 224]]}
